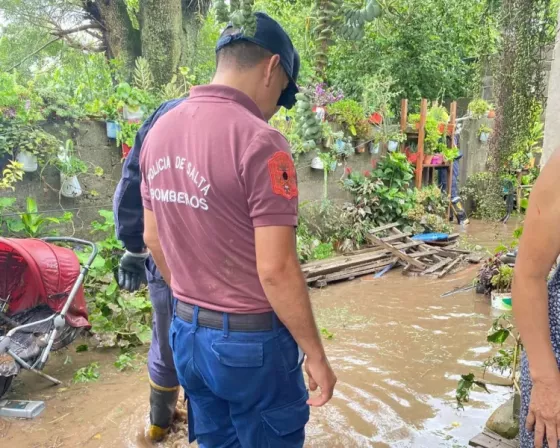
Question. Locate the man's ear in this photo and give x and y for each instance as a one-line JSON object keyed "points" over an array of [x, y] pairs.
{"points": [[272, 65]]}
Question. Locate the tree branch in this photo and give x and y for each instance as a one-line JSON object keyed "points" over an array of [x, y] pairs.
{"points": [[77, 29], [34, 53]]}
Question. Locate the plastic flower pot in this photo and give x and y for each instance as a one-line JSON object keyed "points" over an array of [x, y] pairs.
{"points": [[441, 127], [376, 118], [374, 148], [412, 157], [484, 136], [437, 159], [112, 128], [132, 114], [428, 159], [491, 113], [28, 160], [361, 148], [392, 145], [125, 150], [70, 186]]}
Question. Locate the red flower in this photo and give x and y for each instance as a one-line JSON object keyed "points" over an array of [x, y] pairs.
{"points": [[348, 170], [373, 163], [367, 173]]}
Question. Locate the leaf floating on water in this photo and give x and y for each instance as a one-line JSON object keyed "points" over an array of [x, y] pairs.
{"points": [[97, 436]]}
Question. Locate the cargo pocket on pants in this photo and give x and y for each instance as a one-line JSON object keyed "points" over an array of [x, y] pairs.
{"points": [[285, 426]]}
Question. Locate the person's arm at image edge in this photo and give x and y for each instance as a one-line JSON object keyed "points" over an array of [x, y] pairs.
{"points": [[538, 249], [151, 238], [285, 287]]}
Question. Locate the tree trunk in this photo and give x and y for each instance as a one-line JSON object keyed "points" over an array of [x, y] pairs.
{"points": [[552, 118], [122, 40], [194, 13], [161, 25]]}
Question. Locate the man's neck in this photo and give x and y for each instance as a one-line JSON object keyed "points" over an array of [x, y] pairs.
{"points": [[237, 82]]}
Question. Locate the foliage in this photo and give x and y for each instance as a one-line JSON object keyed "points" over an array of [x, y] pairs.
{"points": [[503, 279], [429, 211], [478, 108], [126, 361], [450, 154], [31, 223], [117, 318], [507, 359], [322, 95], [381, 197], [87, 374], [17, 135], [11, 174], [127, 132], [327, 334], [483, 129], [68, 162], [487, 202], [351, 116]]}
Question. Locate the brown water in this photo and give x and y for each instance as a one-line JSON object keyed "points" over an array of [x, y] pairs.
{"points": [[398, 350]]}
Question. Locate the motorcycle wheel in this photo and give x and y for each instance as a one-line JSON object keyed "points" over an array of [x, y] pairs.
{"points": [[65, 337], [5, 383]]}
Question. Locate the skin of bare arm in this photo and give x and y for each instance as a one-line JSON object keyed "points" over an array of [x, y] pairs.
{"points": [[151, 239], [538, 249], [285, 287]]}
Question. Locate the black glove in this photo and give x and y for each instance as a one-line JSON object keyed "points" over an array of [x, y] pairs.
{"points": [[132, 270]]}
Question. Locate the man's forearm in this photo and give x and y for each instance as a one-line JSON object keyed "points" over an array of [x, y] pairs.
{"points": [[293, 307], [159, 259], [530, 306]]}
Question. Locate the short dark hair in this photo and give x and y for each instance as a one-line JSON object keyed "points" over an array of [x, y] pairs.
{"points": [[242, 54]]}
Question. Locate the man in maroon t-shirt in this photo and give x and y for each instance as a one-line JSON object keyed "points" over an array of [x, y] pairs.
{"points": [[221, 205]]}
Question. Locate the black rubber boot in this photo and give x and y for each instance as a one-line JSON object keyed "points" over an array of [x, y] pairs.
{"points": [[162, 409]]}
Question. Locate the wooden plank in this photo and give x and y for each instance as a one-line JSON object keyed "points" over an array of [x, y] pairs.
{"points": [[436, 267], [421, 137], [404, 114], [451, 266], [383, 243], [385, 227], [351, 269], [353, 273], [489, 439], [395, 237], [347, 262], [423, 254]]}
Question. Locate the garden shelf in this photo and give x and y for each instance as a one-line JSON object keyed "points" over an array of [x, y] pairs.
{"points": [[425, 174]]}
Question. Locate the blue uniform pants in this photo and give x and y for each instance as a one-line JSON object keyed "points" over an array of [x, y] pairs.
{"points": [[245, 389], [160, 357]]}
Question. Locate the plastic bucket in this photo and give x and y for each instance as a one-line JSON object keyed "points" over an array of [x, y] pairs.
{"points": [[501, 300], [112, 128]]}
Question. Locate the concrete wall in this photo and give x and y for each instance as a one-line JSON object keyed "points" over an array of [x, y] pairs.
{"points": [[97, 151], [475, 153]]}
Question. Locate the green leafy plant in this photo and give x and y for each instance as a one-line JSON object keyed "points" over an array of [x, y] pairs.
{"points": [[507, 359], [351, 116], [18, 136], [11, 174], [126, 361], [450, 154], [478, 108], [327, 334], [87, 374], [130, 96], [429, 211], [68, 163], [503, 279], [33, 224], [483, 129], [127, 133]]}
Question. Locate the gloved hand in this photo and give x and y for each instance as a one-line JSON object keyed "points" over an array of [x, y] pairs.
{"points": [[132, 270]]}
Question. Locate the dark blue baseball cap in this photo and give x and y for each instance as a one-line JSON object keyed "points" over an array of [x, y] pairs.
{"points": [[272, 37]]}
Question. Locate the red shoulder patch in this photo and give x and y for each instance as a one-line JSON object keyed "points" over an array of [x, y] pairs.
{"points": [[283, 175]]}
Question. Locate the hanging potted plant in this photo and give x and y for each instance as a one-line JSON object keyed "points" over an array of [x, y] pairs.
{"points": [[32, 144], [484, 133], [414, 121], [110, 112], [126, 136], [411, 153], [450, 154], [70, 166], [394, 140], [492, 113], [132, 100], [478, 108]]}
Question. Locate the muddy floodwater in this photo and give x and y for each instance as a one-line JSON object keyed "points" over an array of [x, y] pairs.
{"points": [[398, 349]]}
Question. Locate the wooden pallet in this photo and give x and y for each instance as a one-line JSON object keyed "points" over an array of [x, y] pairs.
{"points": [[489, 439]]}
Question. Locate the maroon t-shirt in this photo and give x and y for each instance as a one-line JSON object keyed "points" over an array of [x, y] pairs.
{"points": [[212, 171]]}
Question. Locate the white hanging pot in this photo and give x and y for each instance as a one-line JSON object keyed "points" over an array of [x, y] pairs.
{"points": [[392, 145], [374, 148], [70, 186], [132, 114], [28, 160], [317, 163], [484, 136]]}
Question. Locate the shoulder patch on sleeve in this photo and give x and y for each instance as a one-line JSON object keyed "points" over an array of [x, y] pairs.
{"points": [[283, 176]]}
